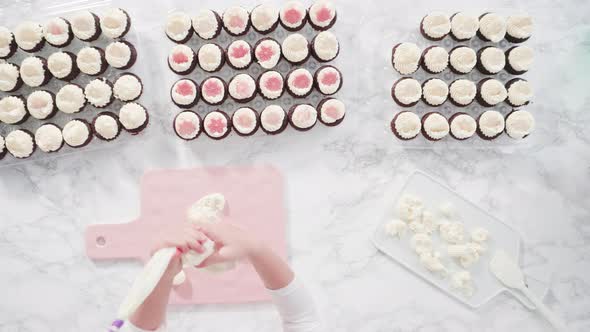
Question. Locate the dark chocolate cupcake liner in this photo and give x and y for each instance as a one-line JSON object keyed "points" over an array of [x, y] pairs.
{"points": [[225, 91], [112, 115], [292, 110], [319, 110], [229, 126], [197, 96], [317, 82], [12, 47], [395, 132], [255, 128], [259, 88], [200, 126], [231, 65], [425, 35], [140, 83], [515, 40], [424, 133], [19, 81], [397, 101], [70, 36], [190, 69], [316, 56]]}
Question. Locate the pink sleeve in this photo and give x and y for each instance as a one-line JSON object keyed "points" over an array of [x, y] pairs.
{"points": [[297, 308]]}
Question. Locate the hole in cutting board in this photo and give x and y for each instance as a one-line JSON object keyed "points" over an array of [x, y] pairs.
{"points": [[101, 241]]}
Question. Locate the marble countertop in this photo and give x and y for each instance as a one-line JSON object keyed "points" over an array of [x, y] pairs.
{"points": [[339, 182]]}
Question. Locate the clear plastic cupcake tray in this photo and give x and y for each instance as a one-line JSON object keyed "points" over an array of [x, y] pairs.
{"points": [[13, 16], [255, 70]]}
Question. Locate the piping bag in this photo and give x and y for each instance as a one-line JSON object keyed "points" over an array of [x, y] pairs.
{"points": [[207, 210]]}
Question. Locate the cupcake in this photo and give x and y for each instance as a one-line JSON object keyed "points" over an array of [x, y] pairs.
{"points": [[29, 36], [271, 85], [490, 60], [435, 91], [207, 24], [185, 93], [267, 52], [519, 124], [20, 143], [245, 121], [91, 61], [332, 111], [462, 60], [115, 23], [179, 28], [239, 54], [128, 87], [434, 126], [10, 80], [41, 104], [462, 92], [120, 54], [406, 92], [462, 126], [86, 26], [519, 59], [435, 59], [13, 110], [299, 83], [492, 27], [99, 93], [211, 57], [273, 119], [519, 28], [106, 126], [265, 18], [77, 133], [62, 65], [406, 125], [58, 32], [242, 88], [216, 125], [519, 91], [70, 99], [295, 49], [405, 58], [464, 26], [133, 117], [182, 60], [490, 125], [435, 26], [325, 46], [293, 15], [303, 117], [34, 72], [213, 90], [2, 148], [7, 43], [187, 125], [490, 92], [328, 80], [236, 21], [49, 138], [322, 15]]}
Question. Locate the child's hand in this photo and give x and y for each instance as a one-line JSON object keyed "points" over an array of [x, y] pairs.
{"points": [[232, 242], [184, 239]]}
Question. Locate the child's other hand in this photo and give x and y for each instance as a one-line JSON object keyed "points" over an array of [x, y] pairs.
{"points": [[184, 239], [232, 243]]}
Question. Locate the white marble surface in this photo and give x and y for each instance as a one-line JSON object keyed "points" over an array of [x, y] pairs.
{"points": [[339, 182]]}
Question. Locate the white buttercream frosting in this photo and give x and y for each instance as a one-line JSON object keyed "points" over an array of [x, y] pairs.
{"points": [[114, 22], [9, 75], [215, 124], [57, 31], [118, 54], [326, 45], [464, 26], [106, 126], [436, 25], [520, 92], [493, 92], [178, 26], [181, 58], [519, 26], [435, 91], [76, 133], [235, 19], [332, 110], [407, 125], [295, 48], [271, 84], [98, 92], [463, 91], [210, 56], [180, 94], [2, 144], [491, 123], [292, 14], [40, 104], [463, 59], [132, 116], [520, 124], [20, 144], [300, 81], [268, 53], [6, 38], [436, 126], [304, 116], [83, 25], [89, 60], [492, 27], [406, 58], [272, 118], [60, 64], [264, 17], [48, 138], [28, 35], [239, 54], [328, 80], [244, 120], [205, 24], [12, 110], [213, 90], [187, 125], [127, 87], [463, 126], [32, 71], [70, 99], [436, 59], [408, 91], [493, 59], [322, 13], [242, 86], [521, 58]]}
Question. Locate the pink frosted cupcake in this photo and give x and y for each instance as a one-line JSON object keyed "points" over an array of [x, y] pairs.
{"points": [[332, 111], [273, 119], [245, 121], [293, 15], [187, 125], [217, 125], [213, 90], [299, 83]]}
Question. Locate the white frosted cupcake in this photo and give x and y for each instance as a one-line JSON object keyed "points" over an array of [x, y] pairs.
{"points": [[128, 87], [293, 15], [462, 60], [265, 18], [10, 80], [245, 121], [519, 124], [211, 57], [303, 117], [20, 143], [41, 104], [236, 21], [77, 133], [464, 26], [490, 60], [7, 43], [242, 88], [29, 36], [406, 92], [435, 59], [99, 92], [49, 138], [86, 26], [91, 61], [435, 26], [58, 32], [491, 92], [520, 92], [34, 71], [217, 125], [106, 126], [70, 99], [182, 60], [435, 91], [299, 83], [434, 126], [273, 119], [62, 65], [492, 27], [179, 27], [187, 125], [13, 110], [519, 59], [325, 46], [295, 49], [185, 93], [133, 117], [490, 125], [271, 85], [267, 52], [239, 54], [322, 15], [331, 111], [115, 23], [405, 58], [462, 126], [406, 125], [519, 28], [207, 24], [328, 80], [120, 54], [213, 90], [462, 92]]}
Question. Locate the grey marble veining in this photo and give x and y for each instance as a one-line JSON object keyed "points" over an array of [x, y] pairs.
{"points": [[340, 180]]}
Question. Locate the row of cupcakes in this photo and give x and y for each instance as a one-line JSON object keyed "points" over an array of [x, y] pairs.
{"points": [[59, 31], [76, 133], [36, 71], [489, 60], [237, 21], [489, 125], [272, 120], [267, 52], [488, 92], [243, 88], [489, 27], [71, 98]]}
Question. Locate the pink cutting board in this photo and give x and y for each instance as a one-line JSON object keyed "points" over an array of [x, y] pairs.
{"points": [[254, 196]]}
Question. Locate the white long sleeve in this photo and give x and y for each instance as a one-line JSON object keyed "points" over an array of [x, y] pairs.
{"points": [[297, 308]]}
